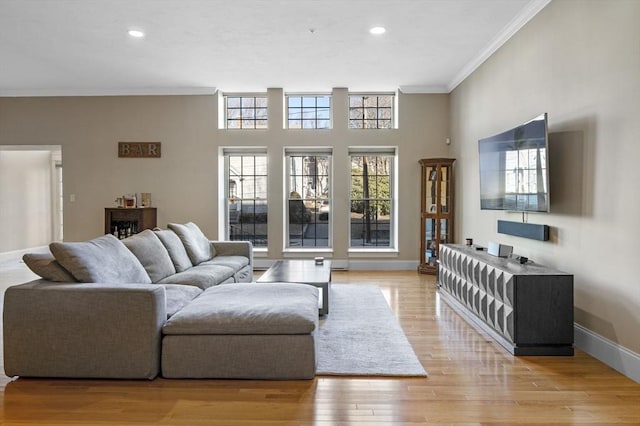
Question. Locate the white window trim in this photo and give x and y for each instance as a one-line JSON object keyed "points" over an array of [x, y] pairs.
{"points": [[395, 195], [223, 188], [222, 106], [309, 151]]}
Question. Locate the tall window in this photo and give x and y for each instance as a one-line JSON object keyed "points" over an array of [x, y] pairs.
{"points": [[371, 111], [372, 220], [308, 198], [308, 111], [246, 195], [245, 112]]}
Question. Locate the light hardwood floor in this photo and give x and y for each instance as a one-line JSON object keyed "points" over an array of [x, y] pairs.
{"points": [[471, 381]]}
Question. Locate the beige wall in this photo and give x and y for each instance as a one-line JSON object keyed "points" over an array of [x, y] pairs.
{"points": [[579, 61], [184, 181]]}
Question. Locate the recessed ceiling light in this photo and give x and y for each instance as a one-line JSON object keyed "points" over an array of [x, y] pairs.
{"points": [[135, 33], [378, 30]]}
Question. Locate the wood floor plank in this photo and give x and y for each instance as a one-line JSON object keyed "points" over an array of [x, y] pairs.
{"points": [[472, 381]]}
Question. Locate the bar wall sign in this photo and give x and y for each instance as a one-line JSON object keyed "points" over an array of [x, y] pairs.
{"points": [[139, 149]]}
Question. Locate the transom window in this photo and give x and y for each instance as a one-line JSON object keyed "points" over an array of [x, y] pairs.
{"points": [[246, 196], [371, 216], [308, 198], [245, 112], [308, 111], [371, 111]]}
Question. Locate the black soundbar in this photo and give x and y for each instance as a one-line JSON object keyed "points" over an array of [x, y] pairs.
{"points": [[525, 230]]}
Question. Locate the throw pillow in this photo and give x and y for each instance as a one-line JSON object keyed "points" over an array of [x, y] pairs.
{"points": [[151, 253], [195, 242], [176, 249], [46, 266], [101, 260]]}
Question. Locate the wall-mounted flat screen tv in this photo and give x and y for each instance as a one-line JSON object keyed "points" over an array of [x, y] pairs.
{"points": [[514, 168]]}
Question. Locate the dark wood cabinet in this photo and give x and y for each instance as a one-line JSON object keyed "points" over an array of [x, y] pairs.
{"points": [[527, 308], [436, 210], [124, 222]]}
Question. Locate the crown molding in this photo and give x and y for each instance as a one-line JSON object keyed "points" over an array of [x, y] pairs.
{"points": [[424, 89], [531, 10], [133, 91]]}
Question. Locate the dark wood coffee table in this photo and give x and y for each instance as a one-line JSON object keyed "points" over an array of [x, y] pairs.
{"points": [[302, 272]]}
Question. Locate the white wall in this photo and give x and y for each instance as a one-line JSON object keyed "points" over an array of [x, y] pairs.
{"points": [[579, 61], [25, 199]]}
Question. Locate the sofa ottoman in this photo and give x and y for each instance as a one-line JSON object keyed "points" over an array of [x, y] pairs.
{"points": [[244, 331]]}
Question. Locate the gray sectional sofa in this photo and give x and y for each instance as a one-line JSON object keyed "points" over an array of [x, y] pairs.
{"points": [[166, 302]]}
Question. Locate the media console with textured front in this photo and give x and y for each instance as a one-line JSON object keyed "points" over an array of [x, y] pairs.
{"points": [[527, 308]]}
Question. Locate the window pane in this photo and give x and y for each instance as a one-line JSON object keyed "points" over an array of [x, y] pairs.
{"points": [[261, 102], [248, 114], [323, 114], [295, 102], [261, 113], [355, 101], [248, 102], [324, 102], [370, 101], [295, 124], [324, 124], [356, 113], [384, 113], [233, 124], [233, 102], [385, 101], [261, 124], [309, 101], [384, 124]]}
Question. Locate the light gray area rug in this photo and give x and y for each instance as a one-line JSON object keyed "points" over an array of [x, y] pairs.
{"points": [[361, 336]]}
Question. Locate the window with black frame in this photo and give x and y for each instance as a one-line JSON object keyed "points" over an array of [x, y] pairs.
{"points": [[308, 111], [246, 196], [371, 111], [245, 112], [308, 196]]}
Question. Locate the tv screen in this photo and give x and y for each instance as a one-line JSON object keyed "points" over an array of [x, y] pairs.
{"points": [[514, 168]]}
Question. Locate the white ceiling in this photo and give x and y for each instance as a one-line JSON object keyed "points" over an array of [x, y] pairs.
{"points": [[81, 47]]}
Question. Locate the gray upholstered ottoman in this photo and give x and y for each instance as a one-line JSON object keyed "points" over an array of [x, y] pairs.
{"points": [[244, 331]]}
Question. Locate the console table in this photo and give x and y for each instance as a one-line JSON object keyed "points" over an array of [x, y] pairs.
{"points": [[526, 308]]}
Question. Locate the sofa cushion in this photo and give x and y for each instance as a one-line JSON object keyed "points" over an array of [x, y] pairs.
{"points": [[235, 262], [176, 249], [101, 260], [178, 296], [202, 276], [273, 309], [151, 253], [46, 266], [195, 242]]}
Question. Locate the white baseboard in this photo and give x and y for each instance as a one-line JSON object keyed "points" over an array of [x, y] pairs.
{"points": [[354, 265], [382, 265], [615, 356]]}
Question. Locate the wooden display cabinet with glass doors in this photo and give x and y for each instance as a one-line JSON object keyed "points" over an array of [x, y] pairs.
{"points": [[436, 210]]}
